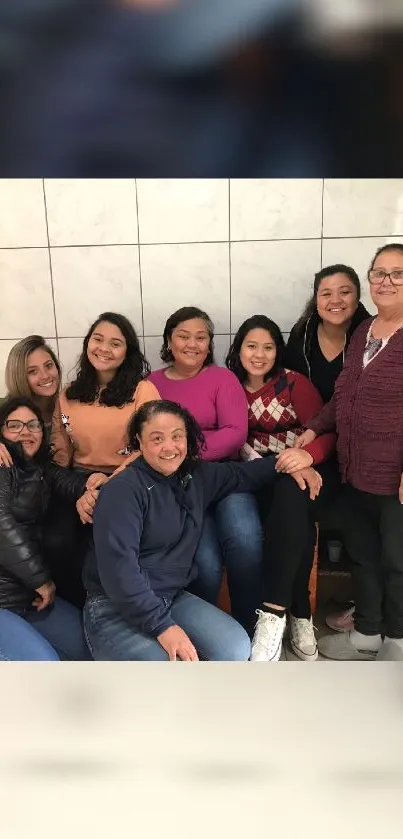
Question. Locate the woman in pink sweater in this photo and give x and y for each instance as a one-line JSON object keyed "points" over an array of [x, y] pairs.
{"points": [[232, 534], [366, 411]]}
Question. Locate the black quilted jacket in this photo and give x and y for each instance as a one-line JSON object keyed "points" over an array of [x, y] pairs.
{"points": [[25, 492]]}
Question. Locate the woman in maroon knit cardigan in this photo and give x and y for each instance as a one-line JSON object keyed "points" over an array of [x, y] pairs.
{"points": [[367, 413]]}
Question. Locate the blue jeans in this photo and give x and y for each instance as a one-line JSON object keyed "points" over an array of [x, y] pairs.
{"points": [[216, 636], [54, 634], [232, 537]]}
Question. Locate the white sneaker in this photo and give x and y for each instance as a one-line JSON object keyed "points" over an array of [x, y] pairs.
{"points": [[302, 638], [268, 637]]}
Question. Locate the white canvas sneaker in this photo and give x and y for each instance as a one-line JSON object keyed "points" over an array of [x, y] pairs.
{"points": [[268, 637], [302, 638]]}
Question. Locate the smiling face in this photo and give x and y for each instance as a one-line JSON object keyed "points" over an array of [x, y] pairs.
{"points": [[385, 294], [42, 373], [258, 353], [163, 443], [336, 299], [30, 437], [106, 349], [189, 344]]}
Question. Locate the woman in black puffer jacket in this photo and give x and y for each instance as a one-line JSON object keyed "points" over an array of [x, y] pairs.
{"points": [[34, 625]]}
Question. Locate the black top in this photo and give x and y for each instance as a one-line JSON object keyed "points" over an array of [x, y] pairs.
{"points": [[304, 354], [323, 372]]}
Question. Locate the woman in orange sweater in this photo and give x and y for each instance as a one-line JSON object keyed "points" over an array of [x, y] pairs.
{"points": [[89, 425]]}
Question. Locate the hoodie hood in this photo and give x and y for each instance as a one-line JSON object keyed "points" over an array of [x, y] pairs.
{"points": [[312, 324]]}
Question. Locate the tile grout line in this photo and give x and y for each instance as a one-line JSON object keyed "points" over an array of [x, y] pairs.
{"points": [[139, 259], [229, 257], [203, 242], [321, 229], [50, 267]]}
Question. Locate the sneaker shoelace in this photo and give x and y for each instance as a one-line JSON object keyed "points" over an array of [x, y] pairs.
{"points": [[304, 631], [264, 635]]}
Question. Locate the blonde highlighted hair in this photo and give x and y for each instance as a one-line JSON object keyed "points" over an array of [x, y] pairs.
{"points": [[16, 367]]}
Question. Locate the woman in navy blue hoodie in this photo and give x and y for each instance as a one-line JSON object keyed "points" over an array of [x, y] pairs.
{"points": [[147, 525]]}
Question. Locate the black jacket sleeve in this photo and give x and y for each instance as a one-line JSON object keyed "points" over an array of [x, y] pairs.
{"points": [[66, 483], [17, 554], [219, 479], [294, 358]]}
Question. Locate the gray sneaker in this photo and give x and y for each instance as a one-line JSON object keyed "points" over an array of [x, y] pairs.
{"points": [[391, 650], [341, 648], [302, 639]]}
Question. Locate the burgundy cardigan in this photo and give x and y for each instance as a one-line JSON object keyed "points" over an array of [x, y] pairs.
{"points": [[367, 412]]}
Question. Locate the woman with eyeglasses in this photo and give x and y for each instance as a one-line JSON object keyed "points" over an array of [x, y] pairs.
{"points": [[367, 413], [34, 624], [33, 370]]}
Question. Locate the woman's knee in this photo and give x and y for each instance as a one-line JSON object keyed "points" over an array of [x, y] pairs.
{"points": [[238, 522], [238, 647]]}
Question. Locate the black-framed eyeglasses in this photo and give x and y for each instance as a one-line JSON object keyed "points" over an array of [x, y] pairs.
{"points": [[17, 425], [396, 277]]}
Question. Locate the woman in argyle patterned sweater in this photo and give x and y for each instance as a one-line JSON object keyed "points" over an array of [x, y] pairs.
{"points": [[281, 402]]}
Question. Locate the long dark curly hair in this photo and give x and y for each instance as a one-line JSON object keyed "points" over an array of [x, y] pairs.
{"points": [[119, 391], [195, 437], [233, 360]]}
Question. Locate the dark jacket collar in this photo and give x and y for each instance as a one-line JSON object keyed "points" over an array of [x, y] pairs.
{"points": [[19, 457], [312, 324]]}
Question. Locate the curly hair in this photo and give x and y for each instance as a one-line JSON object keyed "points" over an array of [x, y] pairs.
{"points": [[119, 391], [195, 437], [180, 316], [328, 271], [233, 360], [11, 404]]}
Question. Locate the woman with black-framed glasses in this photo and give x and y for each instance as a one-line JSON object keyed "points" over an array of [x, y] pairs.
{"points": [[367, 412], [34, 624]]}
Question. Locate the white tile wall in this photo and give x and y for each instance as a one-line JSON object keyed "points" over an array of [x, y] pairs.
{"points": [[70, 249]]}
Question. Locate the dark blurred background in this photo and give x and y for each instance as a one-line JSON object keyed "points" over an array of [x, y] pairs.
{"points": [[194, 88]]}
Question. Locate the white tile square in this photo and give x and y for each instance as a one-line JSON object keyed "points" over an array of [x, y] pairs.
{"points": [[184, 275], [26, 293], [268, 208], [358, 253], [5, 347], [152, 351], [89, 281], [361, 207], [221, 346], [188, 210], [91, 212], [272, 278], [22, 213], [70, 350]]}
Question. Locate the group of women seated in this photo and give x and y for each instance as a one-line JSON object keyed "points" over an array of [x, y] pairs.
{"points": [[125, 495]]}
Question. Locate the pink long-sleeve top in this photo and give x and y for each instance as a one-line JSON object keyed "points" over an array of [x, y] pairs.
{"points": [[217, 401]]}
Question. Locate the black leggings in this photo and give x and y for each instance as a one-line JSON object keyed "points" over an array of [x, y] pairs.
{"points": [[65, 542], [373, 531], [289, 518]]}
